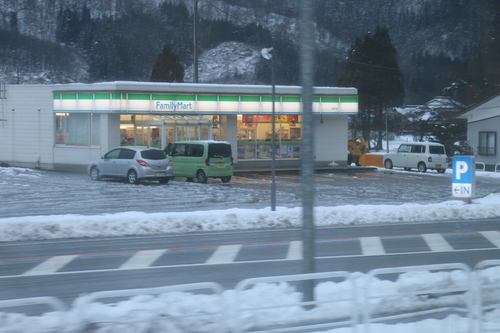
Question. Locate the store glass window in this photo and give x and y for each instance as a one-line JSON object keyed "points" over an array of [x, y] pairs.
{"points": [[77, 129], [255, 134], [487, 143]]}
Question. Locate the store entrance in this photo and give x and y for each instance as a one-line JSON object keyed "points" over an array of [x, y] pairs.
{"points": [[158, 131]]}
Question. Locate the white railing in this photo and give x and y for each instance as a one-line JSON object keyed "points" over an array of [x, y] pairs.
{"points": [[480, 166], [473, 299]]}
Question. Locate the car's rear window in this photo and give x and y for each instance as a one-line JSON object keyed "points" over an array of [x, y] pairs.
{"points": [[219, 150], [153, 154], [436, 150]]}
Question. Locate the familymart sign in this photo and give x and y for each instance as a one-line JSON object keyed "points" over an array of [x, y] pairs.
{"points": [[107, 102]]}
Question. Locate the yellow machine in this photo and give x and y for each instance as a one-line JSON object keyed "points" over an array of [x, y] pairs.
{"points": [[360, 154]]}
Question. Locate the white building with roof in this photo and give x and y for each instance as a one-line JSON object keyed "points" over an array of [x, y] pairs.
{"points": [[483, 125], [64, 126]]}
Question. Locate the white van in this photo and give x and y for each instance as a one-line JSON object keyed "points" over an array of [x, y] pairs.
{"points": [[418, 155]]}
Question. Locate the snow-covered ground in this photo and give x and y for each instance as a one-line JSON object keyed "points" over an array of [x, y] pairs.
{"points": [[154, 314]]}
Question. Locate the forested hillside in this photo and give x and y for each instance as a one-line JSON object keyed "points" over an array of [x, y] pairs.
{"points": [[443, 46]]}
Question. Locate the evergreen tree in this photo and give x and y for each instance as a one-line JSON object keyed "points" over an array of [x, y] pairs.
{"points": [[372, 67], [167, 67]]}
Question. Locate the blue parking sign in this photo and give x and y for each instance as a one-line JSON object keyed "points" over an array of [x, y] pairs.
{"points": [[463, 179]]}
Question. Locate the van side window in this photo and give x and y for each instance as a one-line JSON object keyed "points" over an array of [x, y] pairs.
{"points": [[219, 150], [404, 149], [178, 150], [194, 150], [417, 149], [436, 150]]}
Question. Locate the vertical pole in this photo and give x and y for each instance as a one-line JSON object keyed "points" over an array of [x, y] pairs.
{"points": [[387, 129], [273, 142], [307, 179], [195, 41]]}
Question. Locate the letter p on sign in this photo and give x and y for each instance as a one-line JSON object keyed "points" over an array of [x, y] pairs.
{"points": [[462, 168]]}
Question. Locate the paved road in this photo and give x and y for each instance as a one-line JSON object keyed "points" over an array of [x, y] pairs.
{"points": [[68, 268], [26, 192]]}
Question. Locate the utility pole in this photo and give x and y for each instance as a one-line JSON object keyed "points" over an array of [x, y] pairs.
{"points": [[195, 41], [307, 178]]}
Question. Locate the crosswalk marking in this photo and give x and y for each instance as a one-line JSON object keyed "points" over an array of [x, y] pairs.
{"points": [[492, 236], [372, 246], [224, 254], [50, 266], [437, 243], [294, 251], [142, 259]]}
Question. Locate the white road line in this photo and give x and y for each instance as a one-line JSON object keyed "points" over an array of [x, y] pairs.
{"points": [[50, 266], [142, 259], [437, 243], [294, 251], [224, 254], [492, 236], [372, 246]]}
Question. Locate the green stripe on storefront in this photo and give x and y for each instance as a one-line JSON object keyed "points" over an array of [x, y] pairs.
{"points": [[292, 99], [207, 98], [85, 96], [102, 95], [229, 98], [350, 99], [277, 99], [249, 98], [327, 99], [170, 97], [116, 96], [57, 96], [140, 97], [68, 96]]}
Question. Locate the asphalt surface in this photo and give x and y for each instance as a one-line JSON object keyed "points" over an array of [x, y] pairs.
{"points": [[27, 192]]}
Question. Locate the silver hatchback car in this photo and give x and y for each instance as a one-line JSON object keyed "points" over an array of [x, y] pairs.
{"points": [[134, 164]]}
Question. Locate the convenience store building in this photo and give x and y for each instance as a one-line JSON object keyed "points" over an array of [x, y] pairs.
{"points": [[64, 126]]}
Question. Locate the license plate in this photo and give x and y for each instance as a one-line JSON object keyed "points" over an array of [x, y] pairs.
{"points": [[220, 165], [160, 174], [438, 166]]}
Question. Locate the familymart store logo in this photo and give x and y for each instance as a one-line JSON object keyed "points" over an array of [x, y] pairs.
{"points": [[173, 106]]}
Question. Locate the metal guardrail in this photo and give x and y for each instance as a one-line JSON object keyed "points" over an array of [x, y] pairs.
{"points": [[53, 302], [477, 296], [214, 320], [488, 288], [482, 166], [314, 319], [371, 299]]}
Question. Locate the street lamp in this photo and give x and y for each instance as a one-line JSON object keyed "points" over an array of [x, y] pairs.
{"points": [[266, 54]]}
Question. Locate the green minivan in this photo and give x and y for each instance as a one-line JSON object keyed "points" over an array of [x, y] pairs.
{"points": [[202, 160]]}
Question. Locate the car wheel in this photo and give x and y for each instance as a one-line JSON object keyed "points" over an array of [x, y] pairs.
{"points": [[388, 164], [201, 177], [132, 177], [441, 170], [226, 179], [422, 167], [94, 173], [164, 180]]}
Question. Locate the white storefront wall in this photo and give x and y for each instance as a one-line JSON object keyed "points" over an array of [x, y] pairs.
{"points": [[27, 129]]}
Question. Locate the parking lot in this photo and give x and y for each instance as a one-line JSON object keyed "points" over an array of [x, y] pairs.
{"points": [[27, 192]]}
